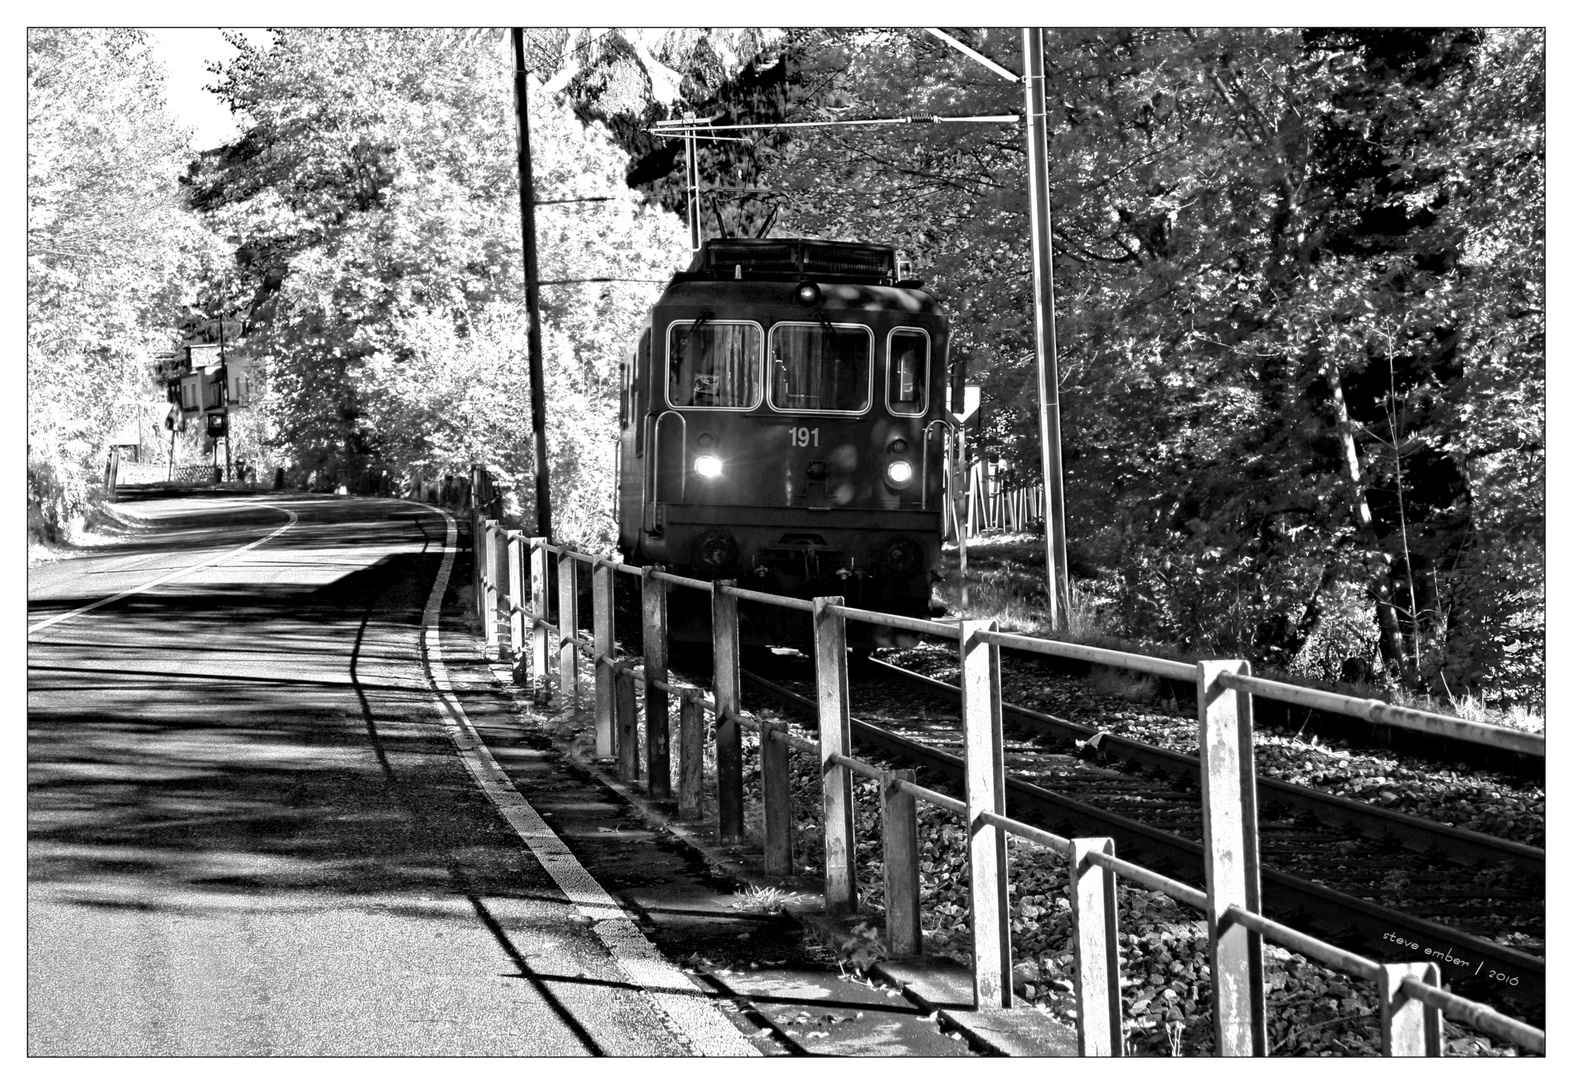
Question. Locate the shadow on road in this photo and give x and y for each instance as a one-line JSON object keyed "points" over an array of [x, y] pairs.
{"points": [[269, 738]]}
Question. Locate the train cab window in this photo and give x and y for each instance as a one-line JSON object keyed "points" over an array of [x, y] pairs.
{"points": [[820, 367], [909, 352], [715, 364]]}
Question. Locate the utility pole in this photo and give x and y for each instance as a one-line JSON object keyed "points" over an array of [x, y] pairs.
{"points": [[694, 206], [536, 348], [223, 366], [1045, 324]]}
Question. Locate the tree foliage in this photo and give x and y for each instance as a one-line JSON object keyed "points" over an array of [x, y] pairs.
{"points": [[113, 251], [374, 203], [1299, 277], [1300, 316]]}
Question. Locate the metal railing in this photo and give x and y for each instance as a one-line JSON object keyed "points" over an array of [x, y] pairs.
{"points": [[158, 472], [1412, 1004], [993, 500]]}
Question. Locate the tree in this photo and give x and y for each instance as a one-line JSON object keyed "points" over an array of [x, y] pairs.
{"points": [[1292, 269], [1299, 276], [112, 250], [374, 203]]}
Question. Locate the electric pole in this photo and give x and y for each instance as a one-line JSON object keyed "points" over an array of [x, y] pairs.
{"points": [[536, 348], [1045, 324], [694, 194], [223, 366]]}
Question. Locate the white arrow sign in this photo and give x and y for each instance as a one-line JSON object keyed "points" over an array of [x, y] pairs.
{"points": [[972, 401]]}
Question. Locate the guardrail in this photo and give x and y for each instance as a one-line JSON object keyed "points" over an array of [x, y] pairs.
{"points": [[992, 500], [120, 472], [1412, 1003]]}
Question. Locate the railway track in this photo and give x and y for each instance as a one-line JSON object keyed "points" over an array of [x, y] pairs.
{"points": [[1349, 730], [1464, 846], [1363, 877]]}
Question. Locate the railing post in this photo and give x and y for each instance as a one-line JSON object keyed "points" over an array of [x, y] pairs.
{"points": [[566, 604], [980, 683], [475, 545], [1096, 964], [778, 829], [492, 587], [901, 864], [604, 649], [539, 601], [690, 807], [727, 707], [833, 734], [626, 723], [1411, 1028], [515, 606], [1231, 869], [656, 700], [481, 551]]}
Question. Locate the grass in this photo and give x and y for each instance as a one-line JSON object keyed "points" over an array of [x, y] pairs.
{"points": [[762, 899], [99, 525], [1007, 581]]}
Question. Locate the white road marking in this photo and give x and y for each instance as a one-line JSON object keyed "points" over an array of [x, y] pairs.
{"points": [[293, 517], [699, 1022]]}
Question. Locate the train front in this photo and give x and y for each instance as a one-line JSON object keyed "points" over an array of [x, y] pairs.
{"points": [[782, 426]]}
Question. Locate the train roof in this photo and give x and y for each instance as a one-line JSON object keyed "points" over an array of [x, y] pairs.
{"points": [[791, 259]]}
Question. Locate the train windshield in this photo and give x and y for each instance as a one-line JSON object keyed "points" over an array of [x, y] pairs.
{"points": [[820, 367], [908, 351], [715, 365]]}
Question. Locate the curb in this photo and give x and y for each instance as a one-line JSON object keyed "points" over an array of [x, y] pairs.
{"points": [[939, 987]]}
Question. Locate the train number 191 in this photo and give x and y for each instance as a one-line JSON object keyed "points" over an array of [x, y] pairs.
{"points": [[801, 436]]}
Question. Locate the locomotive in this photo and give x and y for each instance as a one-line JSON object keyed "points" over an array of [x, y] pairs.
{"points": [[782, 425]]}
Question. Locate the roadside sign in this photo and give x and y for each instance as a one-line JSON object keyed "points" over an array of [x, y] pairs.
{"points": [[971, 402]]}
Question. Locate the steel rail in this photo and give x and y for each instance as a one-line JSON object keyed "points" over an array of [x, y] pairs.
{"points": [[1149, 665], [791, 602], [796, 742], [1049, 841], [1477, 1015], [682, 128], [1416, 833], [936, 798], [929, 627], [1329, 910], [676, 579], [1177, 890], [1381, 712]]}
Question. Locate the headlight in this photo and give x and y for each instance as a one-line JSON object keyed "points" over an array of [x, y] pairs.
{"points": [[899, 472], [708, 466]]}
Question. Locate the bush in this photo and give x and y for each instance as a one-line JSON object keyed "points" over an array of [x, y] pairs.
{"points": [[52, 502]]}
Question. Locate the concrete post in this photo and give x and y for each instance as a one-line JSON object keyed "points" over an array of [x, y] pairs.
{"points": [[980, 682], [1231, 859], [833, 734]]}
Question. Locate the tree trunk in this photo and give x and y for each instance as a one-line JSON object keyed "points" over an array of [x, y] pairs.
{"points": [[1391, 644]]}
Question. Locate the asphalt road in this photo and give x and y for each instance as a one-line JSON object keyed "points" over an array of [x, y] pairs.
{"points": [[249, 831]]}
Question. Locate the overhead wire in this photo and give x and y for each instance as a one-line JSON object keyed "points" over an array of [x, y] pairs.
{"points": [[984, 61], [685, 128]]}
